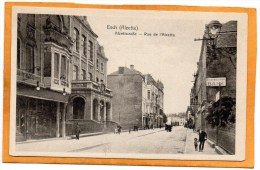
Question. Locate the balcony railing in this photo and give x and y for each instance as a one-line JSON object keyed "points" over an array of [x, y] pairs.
{"points": [[89, 85]]}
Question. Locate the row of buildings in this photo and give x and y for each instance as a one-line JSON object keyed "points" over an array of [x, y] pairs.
{"points": [[177, 119], [62, 80], [214, 80]]}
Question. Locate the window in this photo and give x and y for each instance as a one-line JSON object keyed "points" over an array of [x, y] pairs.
{"points": [[102, 67], [63, 69], [102, 81], [97, 80], [56, 65], [90, 76], [29, 59], [84, 45], [76, 38], [97, 64], [149, 94], [83, 74], [75, 73], [18, 53], [91, 51]]}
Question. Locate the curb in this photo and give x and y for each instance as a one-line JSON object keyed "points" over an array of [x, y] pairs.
{"points": [[185, 147], [211, 144], [221, 151]]}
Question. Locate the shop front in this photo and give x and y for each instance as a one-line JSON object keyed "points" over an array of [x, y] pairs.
{"points": [[38, 118]]}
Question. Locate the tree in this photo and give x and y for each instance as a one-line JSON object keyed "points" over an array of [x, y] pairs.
{"points": [[222, 112]]}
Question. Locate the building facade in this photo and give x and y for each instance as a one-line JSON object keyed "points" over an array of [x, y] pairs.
{"points": [[136, 98], [217, 60], [61, 77]]}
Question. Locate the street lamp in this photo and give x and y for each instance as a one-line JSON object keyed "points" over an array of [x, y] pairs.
{"points": [[214, 28], [38, 86]]}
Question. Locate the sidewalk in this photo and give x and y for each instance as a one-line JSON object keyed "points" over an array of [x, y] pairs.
{"points": [[189, 146]]}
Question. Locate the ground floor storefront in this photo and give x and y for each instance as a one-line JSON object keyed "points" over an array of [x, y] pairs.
{"points": [[151, 121], [39, 118], [43, 114]]}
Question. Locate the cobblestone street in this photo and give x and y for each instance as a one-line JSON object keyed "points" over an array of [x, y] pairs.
{"points": [[156, 141]]}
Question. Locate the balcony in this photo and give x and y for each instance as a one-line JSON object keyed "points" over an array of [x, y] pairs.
{"points": [[89, 85], [56, 35]]}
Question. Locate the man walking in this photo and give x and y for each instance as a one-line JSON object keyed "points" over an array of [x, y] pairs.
{"points": [[77, 130], [202, 139]]}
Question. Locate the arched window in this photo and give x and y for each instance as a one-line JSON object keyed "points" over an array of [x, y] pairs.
{"points": [[78, 108], [102, 67], [97, 64], [84, 45], [76, 39], [90, 76]]}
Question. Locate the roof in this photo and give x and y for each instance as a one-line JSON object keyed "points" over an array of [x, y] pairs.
{"points": [[229, 36], [85, 22], [126, 71]]}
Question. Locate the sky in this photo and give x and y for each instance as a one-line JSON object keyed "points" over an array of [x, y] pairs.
{"points": [[169, 59]]}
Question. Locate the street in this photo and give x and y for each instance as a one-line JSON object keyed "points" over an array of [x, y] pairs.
{"points": [[156, 141]]}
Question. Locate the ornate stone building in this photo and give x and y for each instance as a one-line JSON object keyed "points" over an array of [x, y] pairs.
{"points": [[61, 77]]}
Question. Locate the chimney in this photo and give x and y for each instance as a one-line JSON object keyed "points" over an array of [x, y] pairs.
{"points": [[121, 70], [132, 67], [85, 18]]}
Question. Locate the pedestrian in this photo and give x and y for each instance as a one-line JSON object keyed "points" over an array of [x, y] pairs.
{"points": [[119, 129], [202, 139], [196, 144], [129, 130], [77, 130]]}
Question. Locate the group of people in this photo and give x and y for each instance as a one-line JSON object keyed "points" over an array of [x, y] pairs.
{"points": [[200, 141]]}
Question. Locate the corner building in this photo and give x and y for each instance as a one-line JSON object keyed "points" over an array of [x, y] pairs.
{"points": [[61, 78]]}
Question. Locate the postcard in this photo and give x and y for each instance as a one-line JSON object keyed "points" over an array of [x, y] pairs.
{"points": [[122, 84]]}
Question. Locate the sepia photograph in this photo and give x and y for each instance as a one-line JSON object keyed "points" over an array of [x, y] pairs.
{"points": [[103, 83]]}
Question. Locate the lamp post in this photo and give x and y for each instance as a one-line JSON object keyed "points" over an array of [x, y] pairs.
{"points": [[212, 31]]}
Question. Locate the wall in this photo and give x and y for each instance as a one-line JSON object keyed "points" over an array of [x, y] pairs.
{"points": [[127, 99]]}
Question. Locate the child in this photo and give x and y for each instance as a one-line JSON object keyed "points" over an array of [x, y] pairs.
{"points": [[196, 144]]}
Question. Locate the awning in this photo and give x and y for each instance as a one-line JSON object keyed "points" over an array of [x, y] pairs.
{"points": [[44, 94]]}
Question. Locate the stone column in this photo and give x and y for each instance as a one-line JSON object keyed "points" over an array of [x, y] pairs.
{"points": [[98, 110], [58, 120], [64, 120], [105, 112], [105, 115], [110, 112]]}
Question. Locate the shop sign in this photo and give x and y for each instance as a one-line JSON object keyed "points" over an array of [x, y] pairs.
{"points": [[220, 81]]}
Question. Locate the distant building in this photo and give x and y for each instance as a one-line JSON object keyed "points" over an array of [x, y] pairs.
{"points": [[177, 119], [137, 98]]}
